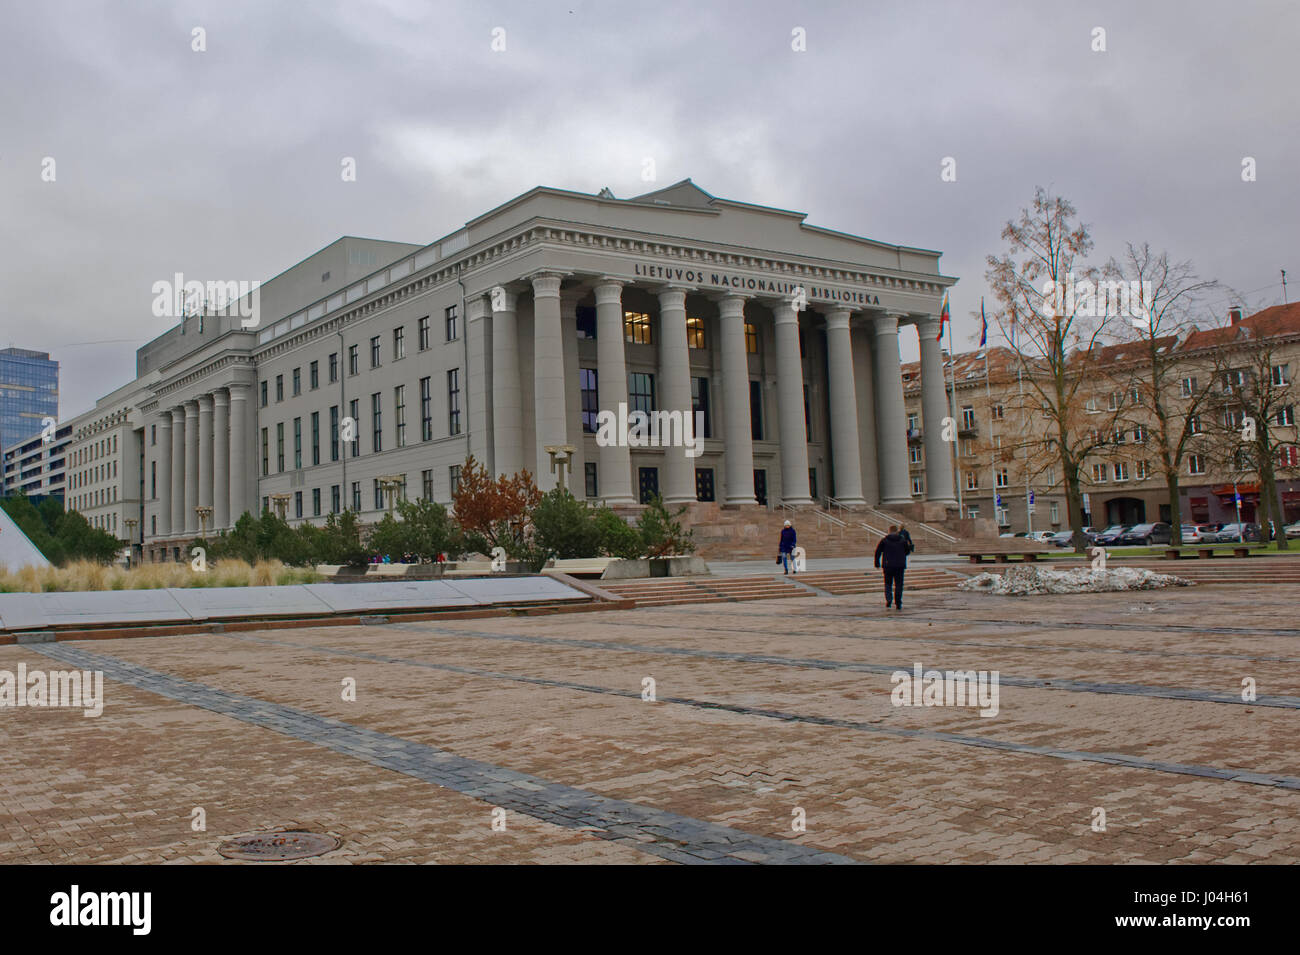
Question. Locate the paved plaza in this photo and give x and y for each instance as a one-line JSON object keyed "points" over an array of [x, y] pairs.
{"points": [[1120, 736]]}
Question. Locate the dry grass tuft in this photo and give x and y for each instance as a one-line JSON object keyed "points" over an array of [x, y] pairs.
{"points": [[88, 575]]}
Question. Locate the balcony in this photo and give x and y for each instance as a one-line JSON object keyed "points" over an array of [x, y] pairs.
{"points": [[968, 429], [913, 435]]}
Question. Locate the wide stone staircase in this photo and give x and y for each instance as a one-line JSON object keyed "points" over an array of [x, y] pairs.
{"points": [[670, 591], [753, 533]]}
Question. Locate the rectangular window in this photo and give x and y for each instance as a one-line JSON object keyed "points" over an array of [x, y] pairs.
{"points": [[695, 332], [1116, 401], [379, 495], [266, 453], [636, 328], [334, 367], [1120, 470], [426, 409], [756, 410], [1286, 416], [153, 480], [1054, 510], [918, 485], [279, 387], [967, 418], [452, 333], [972, 481], [453, 401], [586, 323], [1000, 476], [354, 359], [334, 432], [590, 400], [426, 484], [1099, 473], [153, 435], [399, 342], [399, 414], [1194, 424], [263, 384], [376, 422], [1195, 464], [297, 504], [1281, 375], [354, 412], [589, 475], [1142, 471], [1288, 456], [641, 391], [297, 381], [356, 497], [997, 413], [279, 447], [315, 437], [914, 454], [335, 501], [315, 502], [453, 478], [700, 406], [374, 352], [297, 443], [422, 333], [1187, 387], [313, 375], [751, 339], [807, 416]]}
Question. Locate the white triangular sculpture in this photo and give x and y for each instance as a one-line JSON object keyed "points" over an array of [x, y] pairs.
{"points": [[16, 551]]}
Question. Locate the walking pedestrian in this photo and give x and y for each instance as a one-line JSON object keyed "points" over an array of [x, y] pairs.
{"points": [[891, 556], [902, 532], [786, 548]]}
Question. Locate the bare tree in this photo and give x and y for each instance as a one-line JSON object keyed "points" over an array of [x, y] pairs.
{"points": [[1253, 394], [1161, 398], [1047, 295]]}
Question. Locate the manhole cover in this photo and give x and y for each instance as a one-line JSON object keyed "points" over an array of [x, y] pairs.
{"points": [[278, 846]]}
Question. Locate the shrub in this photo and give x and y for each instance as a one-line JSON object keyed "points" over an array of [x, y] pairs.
{"points": [[618, 538], [661, 531], [565, 527]]}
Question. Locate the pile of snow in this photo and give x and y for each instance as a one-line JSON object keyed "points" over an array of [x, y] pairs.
{"points": [[1030, 580]]}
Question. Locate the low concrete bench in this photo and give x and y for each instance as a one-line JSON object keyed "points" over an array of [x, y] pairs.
{"points": [[1001, 556], [1204, 553]]}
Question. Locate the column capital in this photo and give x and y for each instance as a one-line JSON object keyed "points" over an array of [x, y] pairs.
{"points": [[502, 299], [220, 398], [165, 419], [886, 323], [477, 307], [546, 283], [783, 312], [609, 292], [672, 296], [205, 402], [926, 324], [190, 408], [838, 316], [238, 390]]}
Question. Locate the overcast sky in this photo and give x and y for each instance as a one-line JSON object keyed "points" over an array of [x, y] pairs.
{"points": [[226, 163]]}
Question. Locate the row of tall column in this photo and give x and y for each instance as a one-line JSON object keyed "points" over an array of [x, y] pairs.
{"points": [[556, 409], [202, 444]]}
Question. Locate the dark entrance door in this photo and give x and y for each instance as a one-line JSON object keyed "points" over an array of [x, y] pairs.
{"points": [[760, 487], [704, 484], [649, 483]]}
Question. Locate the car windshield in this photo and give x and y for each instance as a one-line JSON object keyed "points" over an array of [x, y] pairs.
{"points": [[1142, 528]]}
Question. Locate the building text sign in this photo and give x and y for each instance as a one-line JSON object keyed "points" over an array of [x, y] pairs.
{"points": [[747, 283]]}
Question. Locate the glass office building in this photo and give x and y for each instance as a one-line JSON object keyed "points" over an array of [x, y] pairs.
{"points": [[29, 393]]}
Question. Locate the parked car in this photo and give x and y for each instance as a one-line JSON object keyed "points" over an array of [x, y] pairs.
{"points": [[1008, 534], [1112, 534], [1043, 537], [1292, 530], [1062, 539], [1200, 534], [1148, 534], [1236, 532]]}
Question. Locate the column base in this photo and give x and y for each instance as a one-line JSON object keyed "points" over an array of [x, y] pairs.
{"points": [[627, 501], [896, 501], [679, 501], [945, 501], [749, 501], [853, 501], [798, 501]]}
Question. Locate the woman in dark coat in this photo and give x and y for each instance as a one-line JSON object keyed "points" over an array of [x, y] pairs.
{"points": [[786, 547]]}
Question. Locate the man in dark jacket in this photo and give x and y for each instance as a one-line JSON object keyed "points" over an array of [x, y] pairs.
{"points": [[891, 553]]}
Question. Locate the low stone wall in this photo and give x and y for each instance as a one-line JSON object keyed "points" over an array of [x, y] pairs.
{"points": [[663, 567]]}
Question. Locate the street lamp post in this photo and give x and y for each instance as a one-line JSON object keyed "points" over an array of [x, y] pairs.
{"points": [[280, 502], [561, 458], [204, 511], [390, 484], [130, 523]]}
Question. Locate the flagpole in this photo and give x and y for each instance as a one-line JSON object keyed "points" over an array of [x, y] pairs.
{"points": [[952, 410]]}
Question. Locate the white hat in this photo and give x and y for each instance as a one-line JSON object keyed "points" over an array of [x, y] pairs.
{"points": [[787, 523]]}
